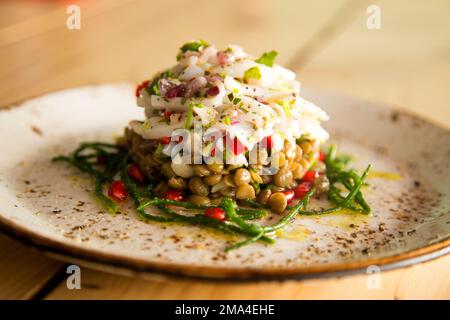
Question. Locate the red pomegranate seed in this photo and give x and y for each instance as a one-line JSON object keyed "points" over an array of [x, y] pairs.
{"points": [[322, 156], [238, 147], [302, 189], [177, 91], [174, 194], [167, 114], [141, 86], [135, 172], [215, 213], [165, 140], [235, 144], [267, 143], [289, 194], [117, 190], [213, 91], [310, 176]]}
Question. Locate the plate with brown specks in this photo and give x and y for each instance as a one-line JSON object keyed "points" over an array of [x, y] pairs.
{"points": [[50, 206]]}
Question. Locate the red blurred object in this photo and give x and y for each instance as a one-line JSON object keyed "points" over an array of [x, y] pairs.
{"points": [[176, 92], [174, 194], [117, 190], [141, 86], [235, 145], [289, 194], [302, 189], [167, 114], [165, 140], [310, 176], [267, 143], [322, 156], [135, 172], [215, 213], [213, 91]]}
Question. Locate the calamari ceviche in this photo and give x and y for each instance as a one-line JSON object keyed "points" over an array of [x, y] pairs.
{"points": [[228, 139]]}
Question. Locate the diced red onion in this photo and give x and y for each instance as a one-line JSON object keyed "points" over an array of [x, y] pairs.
{"points": [[213, 91], [176, 92]]}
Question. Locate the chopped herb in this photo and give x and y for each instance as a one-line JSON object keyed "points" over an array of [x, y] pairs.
{"points": [[230, 96], [252, 73], [159, 151], [243, 109], [256, 187], [287, 108], [189, 116], [267, 58], [236, 100], [153, 88], [227, 121], [195, 45], [167, 74]]}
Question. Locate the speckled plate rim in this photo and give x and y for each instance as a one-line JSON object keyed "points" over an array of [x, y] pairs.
{"points": [[139, 267], [111, 262]]}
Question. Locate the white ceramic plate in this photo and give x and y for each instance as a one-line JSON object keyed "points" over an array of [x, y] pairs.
{"points": [[49, 205]]}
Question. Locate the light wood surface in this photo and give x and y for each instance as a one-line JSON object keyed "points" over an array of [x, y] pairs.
{"points": [[425, 281], [23, 272], [406, 64]]}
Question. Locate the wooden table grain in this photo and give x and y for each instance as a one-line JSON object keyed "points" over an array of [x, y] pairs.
{"points": [[406, 63]]}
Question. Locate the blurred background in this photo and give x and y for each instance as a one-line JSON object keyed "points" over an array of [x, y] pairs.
{"points": [[391, 51], [406, 62]]}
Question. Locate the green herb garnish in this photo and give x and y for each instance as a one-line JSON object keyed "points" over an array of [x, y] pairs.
{"points": [[227, 121], [189, 116], [267, 58], [252, 73], [240, 220], [153, 88], [159, 151], [195, 45]]}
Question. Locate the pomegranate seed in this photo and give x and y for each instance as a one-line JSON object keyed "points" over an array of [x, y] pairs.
{"points": [[167, 114], [177, 91], [215, 213], [267, 143], [165, 140], [174, 194], [310, 176], [289, 194], [322, 156], [117, 190], [302, 189], [141, 86], [135, 172], [235, 144], [213, 91]]}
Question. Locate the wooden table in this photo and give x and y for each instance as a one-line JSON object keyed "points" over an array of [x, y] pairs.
{"points": [[406, 64]]}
